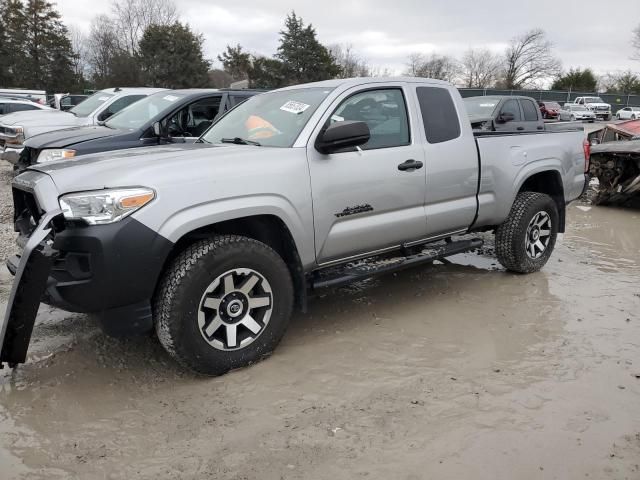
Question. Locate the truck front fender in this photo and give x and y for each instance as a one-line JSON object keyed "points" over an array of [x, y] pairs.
{"points": [[203, 215]]}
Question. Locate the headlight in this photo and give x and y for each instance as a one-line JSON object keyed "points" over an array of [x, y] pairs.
{"points": [[17, 135], [51, 154], [104, 206]]}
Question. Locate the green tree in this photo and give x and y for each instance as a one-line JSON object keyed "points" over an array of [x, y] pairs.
{"points": [[303, 57], [13, 43], [236, 62], [171, 56], [47, 62], [267, 73], [577, 80]]}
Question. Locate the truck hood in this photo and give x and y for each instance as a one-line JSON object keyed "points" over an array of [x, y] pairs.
{"points": [[40, 118], [70, 136], [139, 166], [599, 105]]}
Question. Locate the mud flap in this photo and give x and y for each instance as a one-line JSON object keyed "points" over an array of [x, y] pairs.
{"points": [[28, 286]]}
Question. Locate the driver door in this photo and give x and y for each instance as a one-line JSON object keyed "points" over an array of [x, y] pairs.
{"points": [[364, 200]]}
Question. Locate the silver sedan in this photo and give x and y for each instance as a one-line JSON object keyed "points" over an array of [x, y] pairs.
{"points": [[573, 112]]}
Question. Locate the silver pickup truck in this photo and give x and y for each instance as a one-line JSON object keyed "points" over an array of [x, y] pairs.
{"points": [[213, 244]]}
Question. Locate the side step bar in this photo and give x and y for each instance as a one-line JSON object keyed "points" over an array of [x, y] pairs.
{"points": [[352, 272]]}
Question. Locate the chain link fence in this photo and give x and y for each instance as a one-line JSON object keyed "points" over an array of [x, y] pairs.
{"points": [[616, 100]]}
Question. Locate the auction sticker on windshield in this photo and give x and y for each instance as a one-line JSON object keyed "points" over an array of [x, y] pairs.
{"points": [[294, 107]]}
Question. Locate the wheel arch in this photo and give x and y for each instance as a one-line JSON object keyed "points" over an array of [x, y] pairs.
{"points": [[266, 228], [548, 182]]}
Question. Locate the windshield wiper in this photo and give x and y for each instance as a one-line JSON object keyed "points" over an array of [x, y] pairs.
{"points": [[240, 141]]}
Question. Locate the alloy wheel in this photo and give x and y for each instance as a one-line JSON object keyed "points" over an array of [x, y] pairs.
{"points": [[538, 235], [235, 309]]}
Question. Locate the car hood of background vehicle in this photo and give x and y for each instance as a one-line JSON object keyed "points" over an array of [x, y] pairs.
{"points": [[135, 166], [39, 118], [70, 136]]}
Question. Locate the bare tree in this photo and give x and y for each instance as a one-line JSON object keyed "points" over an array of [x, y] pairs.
{"points": [[80, 45], [480, 68], [439, 67], [102, 46], [132, 17], [351, 64], [528, 60]]}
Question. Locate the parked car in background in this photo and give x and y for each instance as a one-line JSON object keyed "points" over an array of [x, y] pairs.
{"points": [[628, 113], [65, 102], [15, 128], [596, 105], [572, 112], [176, 116], [18, 104], [549, 109], [38, 96], [212, 244], [504, 114]]}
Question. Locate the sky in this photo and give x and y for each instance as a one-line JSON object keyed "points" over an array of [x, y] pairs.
{"points": [[386, 32]]}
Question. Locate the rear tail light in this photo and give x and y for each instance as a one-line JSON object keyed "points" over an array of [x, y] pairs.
{"points": [[586, 147]]}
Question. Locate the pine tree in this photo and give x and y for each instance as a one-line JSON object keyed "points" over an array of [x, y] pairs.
{"points": [[13, 43], [304, 58], [171, 56], [236, 62], [45, 48]]}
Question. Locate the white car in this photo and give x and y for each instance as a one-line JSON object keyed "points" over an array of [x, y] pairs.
{"points": [[15, 128], [628, 113], [573, 112], [15, 104]]}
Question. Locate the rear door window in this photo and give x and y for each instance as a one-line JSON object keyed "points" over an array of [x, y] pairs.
{"points": [[439, 115], [530, 110], [511, 106]]}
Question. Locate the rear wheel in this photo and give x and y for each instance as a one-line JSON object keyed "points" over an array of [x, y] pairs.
{"points": [[224, 303], [525, 241], [633, 117], [573, 118]]}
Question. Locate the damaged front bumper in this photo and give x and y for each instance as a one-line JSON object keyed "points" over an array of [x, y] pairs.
{"points": [[31, 274]]}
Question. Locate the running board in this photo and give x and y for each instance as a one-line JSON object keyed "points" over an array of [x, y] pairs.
{"points": [[352, 272]]}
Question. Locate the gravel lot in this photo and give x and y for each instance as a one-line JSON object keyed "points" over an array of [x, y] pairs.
{"points": [[451, 371]]}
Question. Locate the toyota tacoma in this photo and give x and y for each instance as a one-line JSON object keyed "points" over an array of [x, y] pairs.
{"points": [[213, 244]]}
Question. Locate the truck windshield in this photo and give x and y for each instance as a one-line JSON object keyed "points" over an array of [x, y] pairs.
{"points": [[139, 113], [272, 119], [85, 108], [480, 106], [593, 100]]}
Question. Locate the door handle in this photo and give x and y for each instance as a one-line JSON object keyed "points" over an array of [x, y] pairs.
{"points": [[410, 165], [520, 128]]}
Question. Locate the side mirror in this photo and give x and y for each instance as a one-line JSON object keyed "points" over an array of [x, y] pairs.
{"points": [[104, 115], [341, 135], [505, 117], [156, 129], [595, 141]]}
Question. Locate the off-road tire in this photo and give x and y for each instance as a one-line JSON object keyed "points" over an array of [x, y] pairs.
{"points": [[510, 241], [178, 299]]}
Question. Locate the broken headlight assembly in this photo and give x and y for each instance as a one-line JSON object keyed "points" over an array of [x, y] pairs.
{"points": [[104, 206]]}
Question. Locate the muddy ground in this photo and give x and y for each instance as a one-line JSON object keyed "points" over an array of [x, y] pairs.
{"points": [[450, 371]]}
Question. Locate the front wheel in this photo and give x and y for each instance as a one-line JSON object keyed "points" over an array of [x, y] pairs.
{"points": [[573, 118], [224, 303], [525, 241]]}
